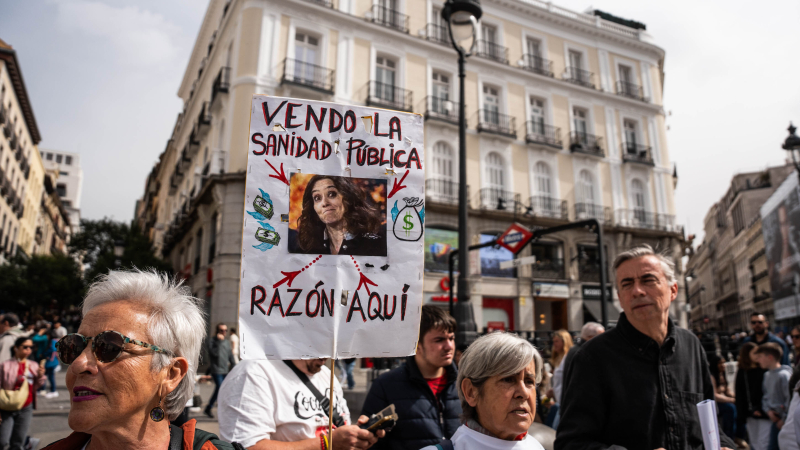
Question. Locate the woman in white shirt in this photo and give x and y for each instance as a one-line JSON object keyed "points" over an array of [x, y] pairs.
{"points": [[497, 381]]}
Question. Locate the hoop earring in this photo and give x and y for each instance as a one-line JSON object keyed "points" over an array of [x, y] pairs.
{"points": [[157, 414]]}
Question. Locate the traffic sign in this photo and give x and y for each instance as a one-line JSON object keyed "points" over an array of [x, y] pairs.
{"points": [[515, 238], [526, 261]]}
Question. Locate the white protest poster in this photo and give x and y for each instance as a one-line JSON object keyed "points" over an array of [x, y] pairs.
{"points": [[332, 241]]}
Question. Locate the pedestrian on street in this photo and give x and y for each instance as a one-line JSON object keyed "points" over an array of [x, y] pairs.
{"points": [[795, 335], [51, 364], [9, 332], [637, 386], [562, 344], [25, 377], [234, 338], [349, 366], [221, 358], [761, 334], [40, 344], [776, 388], [748, 388], [497, 387], [423, 389], [59, 329], [123, 386], [726, 400]]}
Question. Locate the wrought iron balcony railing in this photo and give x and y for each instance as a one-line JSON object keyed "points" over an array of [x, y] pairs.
{"points": [[589, 271], [584, 211], [443, 191], [630, 90], [586, 143], [539, 133], [552, 269], [580, 77], [552, 207], [637, 153], [389, 18], [537, 64], [437, 33], [640, 218], [441, 109], [203, 120], [309, 75], [389, 96], [499, 199], [490, 121], [222, 83], [493, 51]]}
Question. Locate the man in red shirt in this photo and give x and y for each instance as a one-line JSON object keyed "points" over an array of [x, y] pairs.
{"points": [[423, 389]]}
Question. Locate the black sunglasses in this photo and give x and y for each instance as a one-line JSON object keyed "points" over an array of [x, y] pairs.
{"points": [[106, 346], [753, 322]]}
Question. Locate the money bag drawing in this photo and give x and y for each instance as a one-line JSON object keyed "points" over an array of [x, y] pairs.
{"points": [[408, 220]]}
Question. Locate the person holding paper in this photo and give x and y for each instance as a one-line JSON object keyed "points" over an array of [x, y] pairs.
{"points": [[266, 405], [637, 386], [423, 389]]}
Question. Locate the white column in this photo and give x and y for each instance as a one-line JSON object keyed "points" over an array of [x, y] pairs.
{"points": [[267, 51], [605, 73]]}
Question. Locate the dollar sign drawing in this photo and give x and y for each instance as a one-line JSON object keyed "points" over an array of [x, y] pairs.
{"points": [[408, 225]]}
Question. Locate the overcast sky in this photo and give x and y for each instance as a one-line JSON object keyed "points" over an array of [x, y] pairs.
{"points": [[103, 76]]}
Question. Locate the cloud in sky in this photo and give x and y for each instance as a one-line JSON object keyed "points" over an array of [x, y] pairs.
{"points": [[138, 38]]}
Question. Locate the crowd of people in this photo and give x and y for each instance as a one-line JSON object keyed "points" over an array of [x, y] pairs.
{"points": [[132, 365]]}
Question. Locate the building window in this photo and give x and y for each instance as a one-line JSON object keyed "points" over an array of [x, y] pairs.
{"points": [[441, 94], [625, 75], [385, 69], [631, 140], [489, 33], [585, 187], [59, 158], [543, 179], [198, 250], [491, 258], [580, 124], [738, 218], [537, 116], [68, 160], [638, 197], [495, 171], [61, 189], [491, 105], [575, 59], [534, 47], [49, 157], [61, 173], [212, 239], [306, 54], [443, 161]]}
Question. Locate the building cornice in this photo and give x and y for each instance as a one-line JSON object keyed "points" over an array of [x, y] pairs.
{"points": [[9, 55]]}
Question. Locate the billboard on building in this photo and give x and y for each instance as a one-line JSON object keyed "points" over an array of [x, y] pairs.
{"points": [[333, 242], [780, 222], [438, 245]]}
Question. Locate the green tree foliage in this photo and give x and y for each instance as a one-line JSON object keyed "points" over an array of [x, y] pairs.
{"points": [[97, 239], [41, 282]]}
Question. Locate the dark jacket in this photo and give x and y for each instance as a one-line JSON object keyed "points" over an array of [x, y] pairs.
{"points": [[748, 394], [626, 392], [220, 355], [568, 365], [422, 419], [772, 338]]}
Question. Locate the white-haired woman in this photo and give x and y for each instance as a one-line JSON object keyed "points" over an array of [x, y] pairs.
{"points": [[497, 381], [132, 365]]}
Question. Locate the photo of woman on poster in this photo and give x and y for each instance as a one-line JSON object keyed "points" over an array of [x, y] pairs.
{"points": [[338, 217]]}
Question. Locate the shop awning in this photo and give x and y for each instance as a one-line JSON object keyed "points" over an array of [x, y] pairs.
{"points": [[594, 308]]}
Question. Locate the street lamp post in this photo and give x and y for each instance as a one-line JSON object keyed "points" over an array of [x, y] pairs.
{"points": [[792, 145], [462, 18]]}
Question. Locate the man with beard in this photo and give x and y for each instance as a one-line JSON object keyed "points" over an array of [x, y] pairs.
{"points": [[423, 389], [637, 386], [761, 335], [263, 405]]}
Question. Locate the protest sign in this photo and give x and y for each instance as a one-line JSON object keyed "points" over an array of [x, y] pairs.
{"points": [[332, 242]]}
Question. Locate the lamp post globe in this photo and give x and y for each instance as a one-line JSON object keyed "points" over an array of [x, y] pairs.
{"points": [[462, 22], [792, 145]]}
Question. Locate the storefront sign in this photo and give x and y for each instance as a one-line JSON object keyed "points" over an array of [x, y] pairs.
{"points": [[592, 292], [551, 290]]}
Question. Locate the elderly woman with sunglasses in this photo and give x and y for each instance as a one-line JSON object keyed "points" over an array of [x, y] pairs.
{"points": [[497, 380], [20, 378], [132, 364]]}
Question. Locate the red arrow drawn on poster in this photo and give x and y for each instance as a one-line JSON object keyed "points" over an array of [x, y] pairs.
{"points": [[364, 281], [278, 175], [288, 276], [397, 186]]}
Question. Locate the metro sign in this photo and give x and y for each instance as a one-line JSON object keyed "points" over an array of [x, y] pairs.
{"points": [[514, 238]]}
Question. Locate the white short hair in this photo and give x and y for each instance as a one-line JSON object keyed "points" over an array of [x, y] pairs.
{"points": [[176, 321], [590, 330], [667, 265], [495, 354]]}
